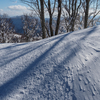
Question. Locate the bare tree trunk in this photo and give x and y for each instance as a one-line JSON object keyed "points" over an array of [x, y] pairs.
{"points": [[50, 14], [50, 9], [59, 15], [73, 15], [3, 40], [42, 19], [50, 23], [86, 14]]}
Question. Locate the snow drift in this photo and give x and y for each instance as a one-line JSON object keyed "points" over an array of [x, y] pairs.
{"points": [[63, 67]]}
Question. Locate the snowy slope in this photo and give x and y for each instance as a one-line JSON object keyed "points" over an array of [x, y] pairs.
{"points": [[63, 67]]}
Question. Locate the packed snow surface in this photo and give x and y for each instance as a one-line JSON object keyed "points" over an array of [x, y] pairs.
{"points": [[63, 67]]}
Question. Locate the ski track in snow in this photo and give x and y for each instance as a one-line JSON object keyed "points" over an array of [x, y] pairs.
{"points": [[63, 67]]}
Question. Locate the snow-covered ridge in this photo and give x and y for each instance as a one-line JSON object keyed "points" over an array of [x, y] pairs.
{"points": [[63, 67]]}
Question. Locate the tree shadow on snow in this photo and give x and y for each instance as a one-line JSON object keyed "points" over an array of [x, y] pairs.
{"points": [[11, 85]]}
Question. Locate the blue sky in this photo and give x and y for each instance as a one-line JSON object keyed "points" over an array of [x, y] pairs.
{"points": [[13, 7]]}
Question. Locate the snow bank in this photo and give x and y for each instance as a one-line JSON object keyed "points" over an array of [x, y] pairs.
{"points": [[63, 67]]}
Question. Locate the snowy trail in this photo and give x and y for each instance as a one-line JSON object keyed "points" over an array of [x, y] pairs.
{"points": [[64, 67]]}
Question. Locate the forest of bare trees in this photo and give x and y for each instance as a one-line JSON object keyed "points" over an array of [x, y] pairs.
{"points": [[77, 14], [63, 15]]}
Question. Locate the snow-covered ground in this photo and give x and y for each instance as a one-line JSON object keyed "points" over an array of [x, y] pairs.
{"points": [[63, 67]]}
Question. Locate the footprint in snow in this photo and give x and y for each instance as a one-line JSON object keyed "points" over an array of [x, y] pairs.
{"points": [[88, 71], [91, 53], [25, 87], [86, 60], [21, 92], [97, 50], [80, 78]]}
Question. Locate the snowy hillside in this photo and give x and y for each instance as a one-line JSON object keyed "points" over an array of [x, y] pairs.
{"points": [[63, 67]]}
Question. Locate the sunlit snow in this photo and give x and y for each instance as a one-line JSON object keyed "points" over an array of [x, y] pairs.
{"points": [[63, 67]]}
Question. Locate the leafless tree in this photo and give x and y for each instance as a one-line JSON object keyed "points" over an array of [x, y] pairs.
{"points": [[50, 6], [37, 6], [79, 14], [54, 6], [6, 29], [30, 27], [71, 7]]}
